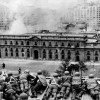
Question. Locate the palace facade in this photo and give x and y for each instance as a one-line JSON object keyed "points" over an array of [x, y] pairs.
{"points": [[51, 46]]}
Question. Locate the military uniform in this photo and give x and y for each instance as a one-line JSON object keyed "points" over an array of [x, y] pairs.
{"points": [[66, 85], [54, 87]]}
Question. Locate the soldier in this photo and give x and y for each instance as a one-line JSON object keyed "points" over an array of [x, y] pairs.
{"points": [[23, 80], [76, 84], [10, 79], [40, 83], [91, 84], [54, 87], [66, 85]]}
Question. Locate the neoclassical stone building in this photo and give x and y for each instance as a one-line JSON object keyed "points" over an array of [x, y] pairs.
{"points": [[51, 46]]}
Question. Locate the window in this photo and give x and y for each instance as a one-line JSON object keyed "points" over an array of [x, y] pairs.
{"points": [[62, 44], [62, 54], [56, 44], [44, 44], [69, 54], [11, 51], [44, 54], [50, 44], [88, 55], [28, 53], [50, 54], [6, 52], [5, 42], [96, 53], [56, 54], [69, 45], [77, 45], [22, 43], [17, 52], [16, 42], [27, 43], [35, 43], [77, 56], [22, 50], [96, 56], [11, 43]]}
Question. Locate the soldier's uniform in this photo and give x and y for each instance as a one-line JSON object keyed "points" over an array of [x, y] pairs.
{"points": [[76, 84], [91, 84], [54, 87], [66, 85]]}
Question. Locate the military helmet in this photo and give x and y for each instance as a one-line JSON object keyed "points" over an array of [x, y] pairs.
{"points": [[77, 74], [91, 76], [27, 71], [66, 72], [55, 75], [10, 74], [39, 72], [23, 96]]}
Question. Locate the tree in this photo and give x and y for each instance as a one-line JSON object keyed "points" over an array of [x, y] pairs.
{"points": [[63, 67]]}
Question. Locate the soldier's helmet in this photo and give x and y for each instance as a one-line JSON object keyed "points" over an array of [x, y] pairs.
{"points": [[39, 72], [66, 72], [55, 75], [77, 74], [23, 96], [10, 74], [91, 76], [27, 71]]}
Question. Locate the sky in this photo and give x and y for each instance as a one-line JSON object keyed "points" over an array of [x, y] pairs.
{"points": [[50, 21], [51, 4]]}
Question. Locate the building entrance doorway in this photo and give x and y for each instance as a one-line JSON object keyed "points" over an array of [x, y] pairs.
{"points": [[35, 54]]}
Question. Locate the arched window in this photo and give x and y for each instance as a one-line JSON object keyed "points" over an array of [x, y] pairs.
{"points": [[56, 44], [27, 43], [35, 43], [22, 43], [11, 51], [50, 44], [17, 52], [28, 53], [77, 44], [16, 42], [69, 44], [69, 54], [22, 52], [88, 55], [44, 44], [62, 54], [62, 44], [50, 54], [96, 56], [11, 43], [96, 53], [44, 54], [6, 52], [56, 54], [5, 42], [77, 56]]}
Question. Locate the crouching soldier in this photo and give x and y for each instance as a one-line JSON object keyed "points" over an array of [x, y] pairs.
{"points": [[91, 84], [54, 87], [39, 84], [76, 84], [66, 85]]}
